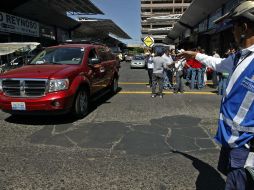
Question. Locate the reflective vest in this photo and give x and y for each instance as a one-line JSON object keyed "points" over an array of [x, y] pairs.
{"points": [[236, 122]]}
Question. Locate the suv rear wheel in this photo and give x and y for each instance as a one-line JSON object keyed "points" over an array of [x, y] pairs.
{"points": [[80, 108]]}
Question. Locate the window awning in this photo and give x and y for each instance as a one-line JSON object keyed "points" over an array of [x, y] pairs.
{"points": [[51, 12], [99, 27]]}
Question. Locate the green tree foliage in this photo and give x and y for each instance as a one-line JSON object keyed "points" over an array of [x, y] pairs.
{"points": [[135, 50]]}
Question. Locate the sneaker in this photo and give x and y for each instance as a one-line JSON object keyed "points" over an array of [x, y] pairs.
{"points": [[153, 95], [161, 96]]}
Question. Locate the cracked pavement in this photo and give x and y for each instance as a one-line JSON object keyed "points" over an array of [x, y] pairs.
{"points": [[126, 142]]}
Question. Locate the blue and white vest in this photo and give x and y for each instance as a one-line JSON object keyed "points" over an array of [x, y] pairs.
{"points": [[236, 122]]}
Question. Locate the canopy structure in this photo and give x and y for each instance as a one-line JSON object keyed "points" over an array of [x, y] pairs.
{"points": [[197, 11], [8, 48], [99, 27], [51, 12]]}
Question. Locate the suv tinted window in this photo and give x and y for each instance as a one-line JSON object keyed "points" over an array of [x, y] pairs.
{"points": [[92, 54]]}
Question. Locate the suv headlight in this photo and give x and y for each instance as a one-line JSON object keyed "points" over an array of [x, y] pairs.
{"points": [[58, 84]]}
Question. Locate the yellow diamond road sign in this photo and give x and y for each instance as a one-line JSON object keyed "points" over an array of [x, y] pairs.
{"points": [[149, 41]]}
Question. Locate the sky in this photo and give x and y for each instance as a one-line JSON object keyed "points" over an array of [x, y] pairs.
{"points": [[125, 13]]}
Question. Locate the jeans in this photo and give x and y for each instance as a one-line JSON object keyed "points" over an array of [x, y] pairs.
{"points": [[196, 78], [188, 76], [150, 74], [223, 82], [203, 70], [167, 78], [179, 81]]}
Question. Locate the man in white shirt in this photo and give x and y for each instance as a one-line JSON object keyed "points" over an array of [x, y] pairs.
{"points": [[179, 87], [150, 68], [168, 72], [236, 121]]}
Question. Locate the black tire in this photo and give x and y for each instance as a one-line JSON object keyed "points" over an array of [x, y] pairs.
{"points": [[81, 102], [114, 86]]}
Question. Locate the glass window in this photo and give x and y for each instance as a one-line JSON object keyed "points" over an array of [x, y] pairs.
{"points": [[60, 56], [138, 57]]}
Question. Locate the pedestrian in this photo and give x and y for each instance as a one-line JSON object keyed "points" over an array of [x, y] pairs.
{"points": [[214, 73], [223, 81], [150, 68], [236, 122], [194, 73], [179, 65], [168, 71], [159, 65]]}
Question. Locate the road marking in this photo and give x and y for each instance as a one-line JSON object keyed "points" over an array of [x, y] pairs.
{"points": [[144, 83], [149, 92]]}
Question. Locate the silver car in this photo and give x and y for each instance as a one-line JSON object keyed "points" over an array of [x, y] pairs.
{"points": [[138, 61]]}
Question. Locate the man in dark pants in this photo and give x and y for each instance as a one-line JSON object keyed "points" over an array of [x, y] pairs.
{"points": [[159, 64], [236, 121]]}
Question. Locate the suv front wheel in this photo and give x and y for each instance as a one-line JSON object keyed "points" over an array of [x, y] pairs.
{"points": [[81, 104], [114, 86]]}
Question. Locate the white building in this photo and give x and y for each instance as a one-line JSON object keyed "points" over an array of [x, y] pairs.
{"points": [[159, 16]]}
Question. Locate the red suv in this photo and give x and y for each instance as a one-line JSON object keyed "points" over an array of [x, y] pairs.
{"points": [[59, 79]]}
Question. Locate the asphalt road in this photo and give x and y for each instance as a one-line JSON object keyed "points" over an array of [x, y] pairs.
{"points": [[128, 141]]}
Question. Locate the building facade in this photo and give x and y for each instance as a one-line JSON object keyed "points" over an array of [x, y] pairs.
{"points": [[159, 16], [202, 30]]}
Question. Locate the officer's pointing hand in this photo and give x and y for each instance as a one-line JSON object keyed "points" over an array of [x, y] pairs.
{"points": [[187, 54]]}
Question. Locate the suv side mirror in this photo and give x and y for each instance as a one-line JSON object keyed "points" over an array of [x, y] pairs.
{"points": [[94, 61]]}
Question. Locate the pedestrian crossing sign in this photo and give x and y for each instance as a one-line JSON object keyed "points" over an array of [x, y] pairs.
{"points": [[149, 41]]}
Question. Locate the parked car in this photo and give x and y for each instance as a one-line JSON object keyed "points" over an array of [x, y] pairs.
{"points": [[60, 79], [138, 61]]}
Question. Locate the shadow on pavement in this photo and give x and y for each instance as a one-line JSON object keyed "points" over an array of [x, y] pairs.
{"points": [[208, 178]]}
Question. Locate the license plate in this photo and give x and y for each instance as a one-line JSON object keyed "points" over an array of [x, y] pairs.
{"points": [[18, 106]]}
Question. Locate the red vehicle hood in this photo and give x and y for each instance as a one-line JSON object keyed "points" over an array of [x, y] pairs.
{"points": [[41, 71]]}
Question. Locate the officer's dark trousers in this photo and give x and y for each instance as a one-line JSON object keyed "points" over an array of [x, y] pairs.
{"points": [[231, 163]]}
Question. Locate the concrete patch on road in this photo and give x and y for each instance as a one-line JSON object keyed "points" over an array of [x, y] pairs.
{"points": [[181, 133]]}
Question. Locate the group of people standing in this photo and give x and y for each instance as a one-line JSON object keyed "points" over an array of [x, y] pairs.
{"points": [[161, 66], [164, 68]]}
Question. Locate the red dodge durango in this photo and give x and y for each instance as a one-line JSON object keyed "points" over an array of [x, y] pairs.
{"points": [[59, 79]]}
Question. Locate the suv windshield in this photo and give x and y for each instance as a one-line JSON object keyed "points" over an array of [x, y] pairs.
{"points": [[64, 55]]}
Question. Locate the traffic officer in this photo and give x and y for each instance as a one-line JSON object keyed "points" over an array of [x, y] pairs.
{"points": [[236, 120]]}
